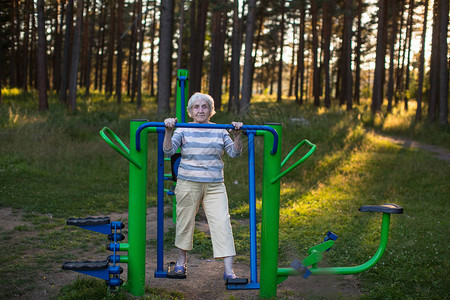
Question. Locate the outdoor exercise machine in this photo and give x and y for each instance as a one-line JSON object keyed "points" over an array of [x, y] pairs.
{"points": [[137, 155]]}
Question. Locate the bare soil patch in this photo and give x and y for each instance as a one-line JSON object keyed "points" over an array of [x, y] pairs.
{"points": [[204, 280]]}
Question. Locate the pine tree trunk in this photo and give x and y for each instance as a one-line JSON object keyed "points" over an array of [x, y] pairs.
{"points": [[408, 55], [111, 42], [88, 66], [377, 95], [120, 8], [292, 66], [199, 9], [390, 91], [401, 47], [218, 31], [58, 47], [67, 53], [327, 21], [301, 52], [72, 97], [247, 75], [233, 101], [443, 64], [280, 62], [315, 45], [434, 66], [25, 47], [421, 64], [152, 53], [356, 96], [347, 82], [42, 53], [165, 57], [181, 36]]}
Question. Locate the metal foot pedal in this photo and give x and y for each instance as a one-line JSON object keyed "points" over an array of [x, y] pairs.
{"points": [[236, 281], [299, 267], [97, 224]]}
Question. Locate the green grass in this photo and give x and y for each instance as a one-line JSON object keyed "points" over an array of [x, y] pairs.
{"points": [[54, 165]]}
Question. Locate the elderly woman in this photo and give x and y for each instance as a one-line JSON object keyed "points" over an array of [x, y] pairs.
{"points": [[200, 179]]}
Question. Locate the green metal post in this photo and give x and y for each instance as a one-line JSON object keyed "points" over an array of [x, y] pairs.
{"points": [[181, 107], [182, 103], [137, 212], [270, 215]]}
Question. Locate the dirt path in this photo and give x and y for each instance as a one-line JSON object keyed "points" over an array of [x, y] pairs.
{"points": [[204, 275], [439, 152]]}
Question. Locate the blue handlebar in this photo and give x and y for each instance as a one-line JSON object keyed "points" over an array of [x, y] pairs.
{"points": [[213, 126]]}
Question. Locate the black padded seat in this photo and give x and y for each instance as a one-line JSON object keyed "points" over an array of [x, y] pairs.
{"points": [[90, 221], [385, 208], [86, 265]]}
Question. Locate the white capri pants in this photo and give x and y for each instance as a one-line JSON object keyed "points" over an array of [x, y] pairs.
{"points": [[189, 194]]}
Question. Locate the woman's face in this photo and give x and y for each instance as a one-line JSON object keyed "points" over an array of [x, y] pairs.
{"points": [[200, 111]]}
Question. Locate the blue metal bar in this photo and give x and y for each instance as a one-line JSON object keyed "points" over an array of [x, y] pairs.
{"points": [[212, 126], [252, 206], [160, 210]]}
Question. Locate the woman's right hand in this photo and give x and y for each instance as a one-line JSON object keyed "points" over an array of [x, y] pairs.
{"points": [[170, 123]]}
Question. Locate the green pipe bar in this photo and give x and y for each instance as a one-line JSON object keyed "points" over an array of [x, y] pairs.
{"points": [[284, 272]]}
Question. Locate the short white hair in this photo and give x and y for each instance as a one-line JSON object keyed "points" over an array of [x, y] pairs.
{"points": [[199, 96]]}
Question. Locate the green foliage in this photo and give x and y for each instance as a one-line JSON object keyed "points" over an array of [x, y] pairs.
{"points": [[54, 165]]}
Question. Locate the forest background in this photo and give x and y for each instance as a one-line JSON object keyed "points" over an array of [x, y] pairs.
{"points": [[329, 52], [343, 74]]}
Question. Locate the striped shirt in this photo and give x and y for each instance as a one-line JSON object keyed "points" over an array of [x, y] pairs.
{"points": [[201, 153]]}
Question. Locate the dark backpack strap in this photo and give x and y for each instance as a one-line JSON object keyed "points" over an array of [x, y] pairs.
{"points": [[175, 163]]}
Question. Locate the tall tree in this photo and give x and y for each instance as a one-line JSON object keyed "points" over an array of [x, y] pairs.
{"points": [[131, 75], [42, 53], [218, 32], [152, 52], [281, 44], [165, 57], [58, 47], [400, 57], [315, 46], [327, 21], [421, 64], [390, 91], [356, 96], [14, 31], [247, 75], [72, 97], [67, 53], [120, 8], [111, 48], [443, 64], [408, 55], [292, 66], [301, 52], [199, 9], [100, 49], [141, 49], [91, 24], [347, 82], [377, 94], [26, 46], [180, 37], [434, 66], [233, 101]]}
